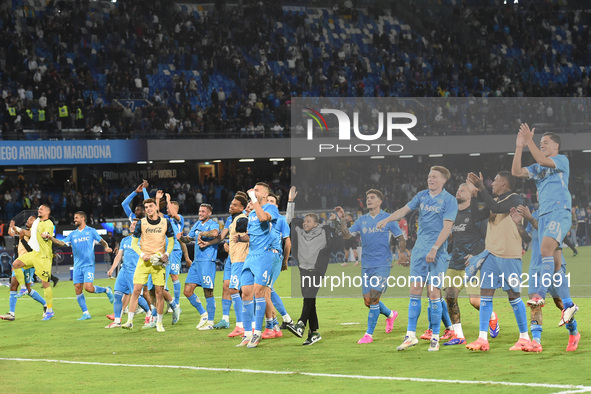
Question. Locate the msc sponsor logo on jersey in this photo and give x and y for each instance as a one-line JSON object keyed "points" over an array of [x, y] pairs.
{"points": [[154, 230], [372, 230], [81, 239], [430, 208]]}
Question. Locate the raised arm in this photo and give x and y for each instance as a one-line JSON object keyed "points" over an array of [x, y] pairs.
{"points": [[539, 157], [291, 204], [516, 169], [126, 204]]}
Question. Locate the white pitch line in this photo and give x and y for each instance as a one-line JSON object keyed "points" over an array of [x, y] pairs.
{"points": [[572, 387]]}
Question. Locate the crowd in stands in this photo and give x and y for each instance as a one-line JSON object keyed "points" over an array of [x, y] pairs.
{"points": [[147, 69]]}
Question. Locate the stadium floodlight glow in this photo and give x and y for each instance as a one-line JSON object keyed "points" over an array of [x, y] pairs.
{"points": [[307, 158], [217, 161], [377, 157], [245, 160], [436, 155], [406, 156], [176, 161], [142, 162], [587, 151], [277, 159]]}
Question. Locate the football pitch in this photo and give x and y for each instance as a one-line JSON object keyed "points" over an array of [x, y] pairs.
{"points": [[64, 354]]}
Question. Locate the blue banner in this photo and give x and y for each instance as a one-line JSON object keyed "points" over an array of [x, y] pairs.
{"points": [[72, 152]]}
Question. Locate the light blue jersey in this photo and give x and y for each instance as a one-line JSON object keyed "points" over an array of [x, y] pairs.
{"points": [[375, 243], [177, 227], [262, 236], [208, 253], [552, 184], [433, 211], [536, 258], [130, 257], [282, 231], [82, 243]]}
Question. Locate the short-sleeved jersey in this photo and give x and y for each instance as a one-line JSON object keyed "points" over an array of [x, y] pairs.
{"points": [[282, 231], [82, 243], [37, 243], [262, 234], [130, 257], [208, 253], [433, 211], [177, 227], [468, 238], [536, 259], [375, 243], [153, 234], [552, 184]]}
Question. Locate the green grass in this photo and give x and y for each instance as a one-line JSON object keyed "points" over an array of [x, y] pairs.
{"points": [[65, 338]]}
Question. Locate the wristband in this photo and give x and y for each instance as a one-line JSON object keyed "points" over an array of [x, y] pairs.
{"points": [[253, 196], [17, 230], [142, 255], [435, 247]]}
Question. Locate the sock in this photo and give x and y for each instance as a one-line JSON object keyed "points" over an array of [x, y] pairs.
{"points": [[435, 336], [173, 304], [99, 289], [154, 311], [486, 308], [572, 327], [176, 286], [260, 313], [48, 293], [436, 312], [159, 319], [458, 330], [277, 303], [237, 308], [117, 320], [118, 304], [547, 273], [210, 303], [130, 316], [194, 300], [520, 314], [536, 332], [372, 318], [144, 304], [19, 275], [445, 314], [414, 311], [12, 301], [276, 324], [384, 310], [82, 302], [247, 314], [286, 318], [567, 302], [37, 297], [429, 316], [226, 304], [269, 323]]}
